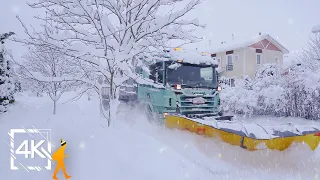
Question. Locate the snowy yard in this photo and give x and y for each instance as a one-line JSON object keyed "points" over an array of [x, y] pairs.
{"points": [[133, 149]]}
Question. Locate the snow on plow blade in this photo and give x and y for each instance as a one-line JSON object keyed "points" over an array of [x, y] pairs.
{"points": [[248, 136]]}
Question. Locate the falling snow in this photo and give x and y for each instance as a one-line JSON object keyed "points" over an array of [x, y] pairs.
{"points": [[134, 145], [82, 145]]}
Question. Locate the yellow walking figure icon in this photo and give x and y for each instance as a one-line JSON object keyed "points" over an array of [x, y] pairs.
{"points": [[59, 157]]}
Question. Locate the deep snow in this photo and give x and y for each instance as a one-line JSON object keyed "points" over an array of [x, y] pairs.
{"points": [[134, 149]]}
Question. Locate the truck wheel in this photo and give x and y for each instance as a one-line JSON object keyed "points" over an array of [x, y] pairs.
{"points": [[150, 113], [220, 113], [147, 110]]}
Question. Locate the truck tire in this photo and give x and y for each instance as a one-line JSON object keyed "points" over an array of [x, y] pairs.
{"points": [[145, 109], [150, 113]]}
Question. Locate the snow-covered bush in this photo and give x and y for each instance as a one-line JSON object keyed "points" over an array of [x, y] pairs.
{"points": [[7, 87], [238, 99], [275, 91], [261, 95], [302, 92]]}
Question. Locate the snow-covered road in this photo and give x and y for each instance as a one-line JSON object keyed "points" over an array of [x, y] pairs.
{"points": [[133, 149]]}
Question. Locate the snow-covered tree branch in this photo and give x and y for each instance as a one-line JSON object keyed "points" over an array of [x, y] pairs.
{"points": [[106, 35], [311, 54], [7, 88]]}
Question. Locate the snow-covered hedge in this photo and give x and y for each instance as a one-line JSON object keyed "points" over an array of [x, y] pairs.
{"points": [[275, 91]]}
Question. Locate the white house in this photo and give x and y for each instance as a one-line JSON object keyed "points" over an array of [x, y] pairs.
{"points": [[239, 58]]}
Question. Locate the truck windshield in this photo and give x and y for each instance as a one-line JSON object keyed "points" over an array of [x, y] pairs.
{"points": [[190, 75]]}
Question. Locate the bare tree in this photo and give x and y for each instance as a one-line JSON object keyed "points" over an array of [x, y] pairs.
{"points": [[105, 35], [310, 56], [47, 62]]}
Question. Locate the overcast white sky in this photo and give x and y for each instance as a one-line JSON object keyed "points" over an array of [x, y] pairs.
{"points": [[289, 21]]}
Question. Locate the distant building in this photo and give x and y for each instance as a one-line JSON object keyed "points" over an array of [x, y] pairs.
{"points": [[242, 58]]}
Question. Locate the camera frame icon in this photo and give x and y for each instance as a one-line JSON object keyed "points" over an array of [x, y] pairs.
{"points": [[42, 152]]}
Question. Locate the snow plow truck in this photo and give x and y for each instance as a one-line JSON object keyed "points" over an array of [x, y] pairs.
{"points": [[185, 95]]}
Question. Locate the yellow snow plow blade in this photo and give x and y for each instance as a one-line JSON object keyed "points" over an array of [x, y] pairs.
{"points": [[238, 139]]}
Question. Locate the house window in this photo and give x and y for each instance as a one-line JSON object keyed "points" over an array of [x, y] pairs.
{"points": [[229, 66], [259, 59], [214, 58], [258, 50], [219, 61], [228, 82], [229, 52]]}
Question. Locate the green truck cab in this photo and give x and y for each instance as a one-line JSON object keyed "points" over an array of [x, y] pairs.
{"points": [[183, 83]]}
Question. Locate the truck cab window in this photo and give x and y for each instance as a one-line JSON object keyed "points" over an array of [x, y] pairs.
{"points": [[156, 72], [152, 75]]}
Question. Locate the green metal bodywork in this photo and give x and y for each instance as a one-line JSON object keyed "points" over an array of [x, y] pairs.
{"points": [[164, 98]]}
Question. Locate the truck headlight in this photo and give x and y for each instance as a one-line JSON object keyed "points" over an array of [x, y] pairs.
{"points": [[177, 86], [219, 88]]}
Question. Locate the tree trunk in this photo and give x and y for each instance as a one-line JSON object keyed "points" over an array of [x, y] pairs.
{"points": [[89, 96], [109, 101], [55, 97], [105, 104], [110, 115], [113, 105], [109, 104], [54, 107]]}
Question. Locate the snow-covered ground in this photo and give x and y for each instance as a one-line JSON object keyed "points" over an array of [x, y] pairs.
{"points": [[134, 149]]}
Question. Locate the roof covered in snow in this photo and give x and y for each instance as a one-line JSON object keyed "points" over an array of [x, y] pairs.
{"points": [[245, 42], [192, 57]]}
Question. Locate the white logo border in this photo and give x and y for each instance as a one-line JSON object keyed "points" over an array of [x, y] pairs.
{"points": [[32, 168]]}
